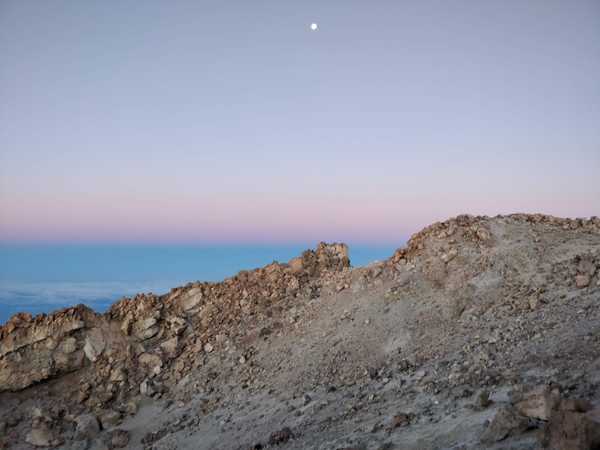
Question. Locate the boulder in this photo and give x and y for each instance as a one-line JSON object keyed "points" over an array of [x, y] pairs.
{"points": [[146, 328], [148, 388], [118, 374], [191, 300], [296, 265], [119, 439], [571, 430], [177, 324], [94, 344], [87, 427], [151, 361], [538, 403], [170, 347], [42, 436], [110, 418], [507, 422]]}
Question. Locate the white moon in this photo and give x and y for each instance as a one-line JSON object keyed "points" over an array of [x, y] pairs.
{"points": [[314, 26]]}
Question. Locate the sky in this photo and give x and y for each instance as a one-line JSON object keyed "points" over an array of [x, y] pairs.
{"points": [[232, 122]]}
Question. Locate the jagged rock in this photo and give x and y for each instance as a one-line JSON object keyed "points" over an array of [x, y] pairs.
{"points": [[400, 420], [119, 439], [483, 399], [87, 427], [94, 344], [586, 266], [571, 430], [436, 272], [296, 264], [151, 361], [148, 388], [131, 407], [576, 405], [42, 436], [110, 418], [538, 403], [281, 436], [507, 422], [118, 374], [582, 281], [190, 302], [170, 347], [177, 324], [146, 328]]}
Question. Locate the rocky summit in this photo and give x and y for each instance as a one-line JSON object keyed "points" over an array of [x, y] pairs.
{"points": [[480, 333]]}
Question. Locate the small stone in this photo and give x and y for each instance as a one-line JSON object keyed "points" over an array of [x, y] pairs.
{"points": [[131, 407], [483, 399], [447, 257], [533, 302], [170, 347], [208, 348], [118, 374], [420, 374], [483, 234], [119, 438], [110, 418], [147, 388], [400, 420], [281, 436], [306, 399], [582, 281], [152, 361]]}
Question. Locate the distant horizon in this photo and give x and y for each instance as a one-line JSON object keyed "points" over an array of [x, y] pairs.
{"points": [[383, 241]]}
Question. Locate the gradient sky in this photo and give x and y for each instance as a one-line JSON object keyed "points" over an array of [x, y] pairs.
{"points": [[230, 121]]}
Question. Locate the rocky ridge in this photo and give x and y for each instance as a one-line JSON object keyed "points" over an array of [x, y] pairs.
{"points": [[512, 303]]}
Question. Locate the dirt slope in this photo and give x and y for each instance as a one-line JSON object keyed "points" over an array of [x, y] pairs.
{"points": [[481, 333]]}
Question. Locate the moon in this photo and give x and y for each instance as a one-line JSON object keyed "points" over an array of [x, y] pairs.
{"points": [[314, 26]]}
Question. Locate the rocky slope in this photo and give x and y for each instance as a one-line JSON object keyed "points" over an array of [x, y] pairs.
{"points": [[480, 333]]}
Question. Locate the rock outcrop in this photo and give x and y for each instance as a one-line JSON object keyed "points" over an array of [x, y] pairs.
{"points": [[148, 328]]}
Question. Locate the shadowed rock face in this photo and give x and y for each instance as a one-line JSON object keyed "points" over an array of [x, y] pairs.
{"points": [[469, 303]]}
